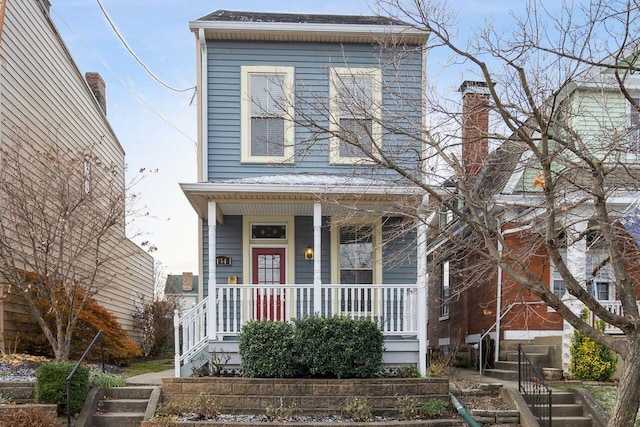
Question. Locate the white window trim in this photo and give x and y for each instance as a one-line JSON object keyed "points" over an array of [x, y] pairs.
{"points": [[245, 114], [335, 74], [632, 154], [376, 224]]}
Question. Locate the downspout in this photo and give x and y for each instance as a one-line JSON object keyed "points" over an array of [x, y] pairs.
{"points": [[499, 287], [203, 80], [3, 6]]}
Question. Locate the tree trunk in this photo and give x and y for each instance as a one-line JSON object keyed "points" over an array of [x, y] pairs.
{"points": [[628, 400]]}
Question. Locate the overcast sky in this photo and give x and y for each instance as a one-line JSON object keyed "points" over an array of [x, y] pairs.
{"points": [[157, 126]]}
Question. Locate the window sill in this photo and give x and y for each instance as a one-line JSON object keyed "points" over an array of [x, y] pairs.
{"points": [[441, 318]]}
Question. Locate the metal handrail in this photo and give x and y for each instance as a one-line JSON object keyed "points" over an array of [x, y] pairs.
{"points": [[535, 390], [75, 368], [504, 313]]}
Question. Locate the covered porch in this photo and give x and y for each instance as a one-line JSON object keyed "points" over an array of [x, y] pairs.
{"points": [[313, 247]]}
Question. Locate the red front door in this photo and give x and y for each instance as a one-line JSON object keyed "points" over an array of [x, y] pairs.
{"points": [[268, 265]]}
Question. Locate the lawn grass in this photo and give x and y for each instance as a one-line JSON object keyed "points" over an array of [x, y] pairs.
{"points": [[606, 397], [148, 366]]}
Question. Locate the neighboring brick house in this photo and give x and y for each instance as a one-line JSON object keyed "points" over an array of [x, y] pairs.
{"points": [[43, 93], [183, 287], [293, 219], [494, 307]]}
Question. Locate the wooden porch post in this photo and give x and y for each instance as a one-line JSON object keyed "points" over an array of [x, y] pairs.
{"points": [[421, 265], [211, 300], [317, 264]]}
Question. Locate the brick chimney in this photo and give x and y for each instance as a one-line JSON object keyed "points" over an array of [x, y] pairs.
{"points": [[187, 282], [475, 126], [99, 89]]}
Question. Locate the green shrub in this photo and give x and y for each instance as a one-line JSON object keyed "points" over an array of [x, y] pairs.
{"points": [[338, 346], [408, 407], [51, 385], [434, 408], [266, 350], [591, 361]]}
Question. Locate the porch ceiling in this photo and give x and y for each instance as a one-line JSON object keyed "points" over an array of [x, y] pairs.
{"points": [[286, 199]]}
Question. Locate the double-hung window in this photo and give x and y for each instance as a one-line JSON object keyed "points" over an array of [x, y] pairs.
{"points": [[356, 267], [558, 285], [355, 114], [444, 291], [267, 110]]}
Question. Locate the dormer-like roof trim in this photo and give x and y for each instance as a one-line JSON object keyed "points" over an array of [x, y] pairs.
{"points": [[230, 25]]}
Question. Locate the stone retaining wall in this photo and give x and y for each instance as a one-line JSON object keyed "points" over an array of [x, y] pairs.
{"points": [[19, 391], [311, 396]]}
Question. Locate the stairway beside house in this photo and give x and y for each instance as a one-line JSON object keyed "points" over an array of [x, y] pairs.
{"points": [[122, 406], [544, 352]]}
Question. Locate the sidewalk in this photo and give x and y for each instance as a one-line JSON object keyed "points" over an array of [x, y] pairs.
{"points": [[153, 378]]}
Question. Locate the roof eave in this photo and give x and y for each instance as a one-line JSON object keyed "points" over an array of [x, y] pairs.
{"points": [[243, 30]]}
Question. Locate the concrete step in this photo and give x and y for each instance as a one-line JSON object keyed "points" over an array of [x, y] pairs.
{"points": [[562, 397], [123, 405], [506, 365], [130, 392], [502, 374], [566, 410], [572, 421], [121, 419], [536, 358]]}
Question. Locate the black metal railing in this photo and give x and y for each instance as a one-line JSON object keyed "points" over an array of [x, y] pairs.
{"points": [[535, 391], [75, 368]]}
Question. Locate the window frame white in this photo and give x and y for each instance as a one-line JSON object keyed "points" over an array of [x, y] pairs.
{"points": [[336, 76], [633, 138], [245, 113]]}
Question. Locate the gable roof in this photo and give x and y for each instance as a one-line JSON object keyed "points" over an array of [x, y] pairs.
{"points": [[239, 25]]}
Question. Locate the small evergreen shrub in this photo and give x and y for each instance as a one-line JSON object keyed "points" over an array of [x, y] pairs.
{"points": [[51, 385], [338, 346], [434, 408], [591, 361], [30, 416], [266, 349]]}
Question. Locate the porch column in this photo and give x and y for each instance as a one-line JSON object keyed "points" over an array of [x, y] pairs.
{"points": [[576, 263], [317, 260], [422, 294], [211, 301]]}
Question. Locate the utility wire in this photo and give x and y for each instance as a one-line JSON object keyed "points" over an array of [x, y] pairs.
{"points": [[126, 45], [136, 94]]}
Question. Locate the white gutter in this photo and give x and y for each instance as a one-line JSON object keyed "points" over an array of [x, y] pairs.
{"points": [[308, 28]]}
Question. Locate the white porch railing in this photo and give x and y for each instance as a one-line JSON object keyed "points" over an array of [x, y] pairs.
{"points": [[614, 307], [393, 307]]}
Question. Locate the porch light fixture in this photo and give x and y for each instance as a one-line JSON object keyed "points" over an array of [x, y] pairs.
{"points": [[308, 254]]}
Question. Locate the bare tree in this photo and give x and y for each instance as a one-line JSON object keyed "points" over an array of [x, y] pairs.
{"points": [[61, 225], [560, 87]]}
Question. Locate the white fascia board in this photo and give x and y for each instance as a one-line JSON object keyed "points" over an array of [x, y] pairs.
{"points": [[211, 187], [308, 28]]}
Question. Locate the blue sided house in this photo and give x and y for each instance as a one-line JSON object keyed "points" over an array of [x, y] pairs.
{"points": [[304, 122]]}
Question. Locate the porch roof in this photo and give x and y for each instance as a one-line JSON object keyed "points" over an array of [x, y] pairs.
{"points": [[295, 194]]}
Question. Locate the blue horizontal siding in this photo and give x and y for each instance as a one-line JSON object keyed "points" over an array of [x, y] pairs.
{"points": [[311, 62]]}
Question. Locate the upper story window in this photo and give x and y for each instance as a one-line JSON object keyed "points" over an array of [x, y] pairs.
{"points": [[267, 132], [444, 291], [355, 109], [634, 128]]}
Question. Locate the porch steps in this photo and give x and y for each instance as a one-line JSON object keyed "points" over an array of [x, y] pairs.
{"points": [[125, 406], [566, 412]]}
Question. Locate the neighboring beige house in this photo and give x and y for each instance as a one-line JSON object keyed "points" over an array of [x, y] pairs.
{"points": [[184, 287], [43, 93]]}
